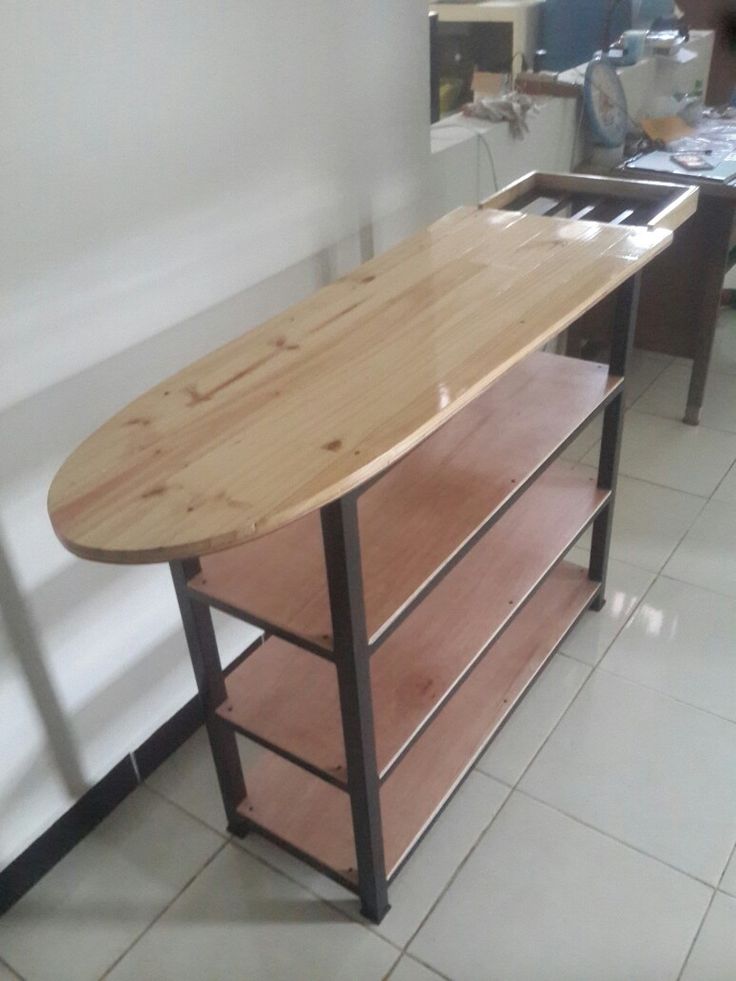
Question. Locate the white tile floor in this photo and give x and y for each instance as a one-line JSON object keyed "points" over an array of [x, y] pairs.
{"points": [[594, 842]]}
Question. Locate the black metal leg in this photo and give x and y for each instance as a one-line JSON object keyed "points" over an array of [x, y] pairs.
{"points": [[622, 334], [718, 217], [345, 584], [202, 644]]}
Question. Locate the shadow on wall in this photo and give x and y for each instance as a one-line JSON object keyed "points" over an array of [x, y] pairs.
{"points": [[60, 611], [155, 666], [23, 639]]}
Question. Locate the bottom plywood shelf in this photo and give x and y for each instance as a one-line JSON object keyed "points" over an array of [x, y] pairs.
{"points": [[312, 817]]}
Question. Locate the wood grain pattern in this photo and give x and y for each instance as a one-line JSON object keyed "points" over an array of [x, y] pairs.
{"points": [[314, 817], [299, 411], [423, 510], [675, 203], [288, 698]]}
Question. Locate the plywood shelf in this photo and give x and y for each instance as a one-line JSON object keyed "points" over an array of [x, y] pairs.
{"points": [[312, 817], [422, 512], [288, 700]]}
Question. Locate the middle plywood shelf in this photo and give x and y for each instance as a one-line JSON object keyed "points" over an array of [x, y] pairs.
{"points": [[287, 699]]}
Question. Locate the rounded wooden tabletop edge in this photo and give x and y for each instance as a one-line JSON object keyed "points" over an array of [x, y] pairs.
{"points": [[280, 517]]}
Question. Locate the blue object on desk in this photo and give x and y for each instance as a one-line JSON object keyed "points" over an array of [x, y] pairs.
{"points": [[572, 30], [647, 11]]}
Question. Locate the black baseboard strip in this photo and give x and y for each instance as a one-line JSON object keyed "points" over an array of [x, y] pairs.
{"points": [[39, 858], [100, 801], [26, 870], [168, 738]]}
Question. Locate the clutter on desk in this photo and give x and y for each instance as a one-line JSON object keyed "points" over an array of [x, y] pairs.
{"points": [[713, 143], [511, 107], [665, 129]]}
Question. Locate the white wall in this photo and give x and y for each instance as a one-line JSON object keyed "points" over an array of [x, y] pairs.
{"points": [[173, 172]]}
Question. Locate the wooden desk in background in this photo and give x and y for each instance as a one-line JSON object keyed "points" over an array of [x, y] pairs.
{"points": [[681, 291], [680, 288]]}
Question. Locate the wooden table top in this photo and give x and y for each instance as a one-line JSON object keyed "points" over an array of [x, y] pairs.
{"points": [[329, 393]]}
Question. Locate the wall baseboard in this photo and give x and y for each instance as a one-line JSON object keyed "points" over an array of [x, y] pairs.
{"points": [[168, 738], [101, 800], [40, 857]]}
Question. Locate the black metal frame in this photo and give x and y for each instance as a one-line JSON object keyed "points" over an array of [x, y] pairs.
{"points": [[352, 647], [408, 607], [341, 538], [622, 339], [200, 635]]}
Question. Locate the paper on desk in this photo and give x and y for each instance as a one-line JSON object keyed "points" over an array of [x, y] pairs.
{"points": [[666, 128], [682, 56]]}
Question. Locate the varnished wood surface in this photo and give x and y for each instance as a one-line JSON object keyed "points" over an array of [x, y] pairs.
{"points": [[673, 204], [423, 510], [314, 816], [288, 698], [301, 410]]}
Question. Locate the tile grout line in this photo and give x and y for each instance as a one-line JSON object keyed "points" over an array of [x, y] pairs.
{"points": [[226, 836], [585, 683], [331, 904], [706, 501], [669, 487], [651, 483], [731, 858], [599, 665], [716, 891], [605, 650], [455, 874], [418, 960], [596, 667], [432, 970], [161, 912], [646, 388], [722, 481], [694, 585], [5, 964], [668, 696], [387, 975], [695, 936], [700, 425], [229, 839], [612, 837]]}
